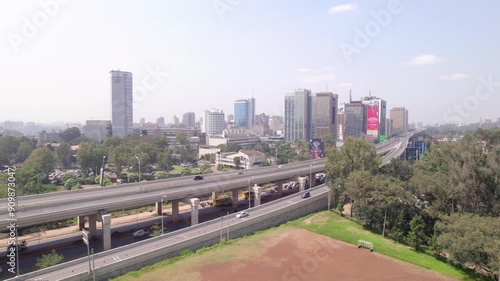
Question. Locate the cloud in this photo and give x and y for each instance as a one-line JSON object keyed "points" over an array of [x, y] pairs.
{"points": [[455, 76], [426, 59], [329, 68], [342, 8], [344, 84], [302, 69], [318, 78]]}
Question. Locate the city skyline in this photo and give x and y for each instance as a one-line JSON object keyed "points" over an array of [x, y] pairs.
{"points": [[190, 59]]}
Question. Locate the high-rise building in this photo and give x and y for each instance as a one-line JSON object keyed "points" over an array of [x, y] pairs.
{"points": [[244, 113], [121, 103], [297, 125], [188, 119], [142, 121], [355, 120], [388, 127], [160, 122], [97, 130], [399, 116], [214, 122], [375, 116], [324, 115], [176, 120], [340, 124], [230, 118]]}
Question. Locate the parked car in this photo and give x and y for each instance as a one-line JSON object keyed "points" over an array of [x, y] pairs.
{"points": [[197, 178], [140, 233], [242, 214], [306, 195]]}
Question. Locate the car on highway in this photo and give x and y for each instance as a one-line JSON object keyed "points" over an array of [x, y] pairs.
{"points": [[239, 173], [197, 178], [140, 233], [306, 195], [242, 214]]}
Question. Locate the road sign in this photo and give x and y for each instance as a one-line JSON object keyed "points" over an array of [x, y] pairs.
{"points": [[85, 237]]}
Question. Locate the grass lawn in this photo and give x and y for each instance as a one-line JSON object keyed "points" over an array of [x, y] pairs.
{"points": [[349, 231], [178, 169]]}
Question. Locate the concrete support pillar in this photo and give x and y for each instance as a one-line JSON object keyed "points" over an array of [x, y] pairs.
{"points": [[313, 180], [256, 190], [159, 208], [93, 226], [213, 196], [175, 210], [235, 198], [106, 231], [302, 184], [280, 188], [194, 210], [81, 222]]}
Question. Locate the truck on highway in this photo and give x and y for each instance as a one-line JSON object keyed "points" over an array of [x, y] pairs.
{"points": [[245, 195], [224, 201]]}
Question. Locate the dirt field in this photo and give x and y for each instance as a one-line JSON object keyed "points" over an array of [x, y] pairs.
{"points": [[291, 254]]}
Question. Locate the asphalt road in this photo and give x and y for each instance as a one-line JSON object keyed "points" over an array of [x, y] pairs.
{"points": [[132, 251], [72, 247]]}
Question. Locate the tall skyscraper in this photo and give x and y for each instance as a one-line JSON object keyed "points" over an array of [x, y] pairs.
{"points": [[297, 115], [244, 113], [188, 119], [323, 115], [355, 120], [340, 124], [213, 122], [160, 122], [375, 116], [121, 103], [399, 116]]}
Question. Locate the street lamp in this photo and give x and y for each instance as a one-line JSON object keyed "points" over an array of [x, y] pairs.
{"points": [[139, 159], [164, 196], [276, 162], [248, 193], [102, 169]]}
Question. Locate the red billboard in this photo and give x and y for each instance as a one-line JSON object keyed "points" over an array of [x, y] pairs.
{"points": [[372, 117]]}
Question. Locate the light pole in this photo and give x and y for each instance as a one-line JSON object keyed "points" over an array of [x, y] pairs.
{"points": [[162, 213], [310, 176], [139, 159], [249, 194], [102, 169], [276, 162]]}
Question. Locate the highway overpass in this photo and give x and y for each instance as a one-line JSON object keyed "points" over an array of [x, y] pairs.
{"points": [[94, 203]]}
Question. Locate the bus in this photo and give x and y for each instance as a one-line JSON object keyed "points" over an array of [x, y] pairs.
{"points": [[225, 201], [245, 195]]}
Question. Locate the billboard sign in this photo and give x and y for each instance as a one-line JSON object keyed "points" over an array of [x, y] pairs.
{"points": [[382, 138], [316, 148], [372, 117]]}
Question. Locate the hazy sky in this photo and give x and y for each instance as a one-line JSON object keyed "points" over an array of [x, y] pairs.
{"points": [[429, 56]]}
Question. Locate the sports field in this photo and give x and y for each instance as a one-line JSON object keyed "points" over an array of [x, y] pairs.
{"points": [[288, 254]]}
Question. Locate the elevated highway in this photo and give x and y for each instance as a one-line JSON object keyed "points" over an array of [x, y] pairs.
{"points": [[43, 208]]}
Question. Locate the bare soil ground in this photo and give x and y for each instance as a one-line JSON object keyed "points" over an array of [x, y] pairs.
{"points": [[290, 254]]}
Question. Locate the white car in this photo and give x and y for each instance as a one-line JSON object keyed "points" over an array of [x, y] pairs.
{"points": [[242, 214], [140, 233]]}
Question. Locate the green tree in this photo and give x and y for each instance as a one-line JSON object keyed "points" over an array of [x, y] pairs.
{"points": [[23, 152], [64, 154], [42, 160], [469, 239], [165, 161], [72, 184], [161, 175], [416, 237], [49, 260], [186, 172], [354, 155], [90, 156], [70, 134]]}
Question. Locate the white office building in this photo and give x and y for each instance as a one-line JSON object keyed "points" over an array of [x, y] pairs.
{"points": [[213, 122], [121, 103]]}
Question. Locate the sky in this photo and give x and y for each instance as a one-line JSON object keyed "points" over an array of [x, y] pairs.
{"points": [[440, 59]]}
